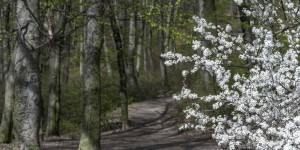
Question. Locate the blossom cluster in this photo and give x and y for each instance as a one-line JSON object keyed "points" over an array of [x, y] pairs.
{"points": [[266, 102]]}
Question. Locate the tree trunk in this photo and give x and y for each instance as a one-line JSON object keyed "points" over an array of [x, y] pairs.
{"points": [[121, 67], [201, 8], [8, 81], [209, 9], [132, 79], [149, 40], [82, 42], [108, 66], [54, 78], [175, 11], [26, 114], [7, 120], [149, 48], [1, 57], [145, 46], [162, 60], [66, 60], [165, 47], [140, 27], [67, 49], [53, 102], [6, 123], [90, 135]]}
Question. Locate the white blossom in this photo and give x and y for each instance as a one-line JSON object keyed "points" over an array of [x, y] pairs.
{"points": [[266, 100]]}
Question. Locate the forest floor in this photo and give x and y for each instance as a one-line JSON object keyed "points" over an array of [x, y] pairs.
{"points": [[153, 127]]}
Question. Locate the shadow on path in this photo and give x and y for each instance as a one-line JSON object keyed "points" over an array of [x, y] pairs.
{"points": [[153, 127]]}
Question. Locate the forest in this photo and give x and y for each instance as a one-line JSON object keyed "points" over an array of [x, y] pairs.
{"points": [[149, 74]]}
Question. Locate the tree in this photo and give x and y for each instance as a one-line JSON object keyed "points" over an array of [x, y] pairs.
{"points": [[108, 65], [265, 100], [121, 66], [90, 134], [161, 35], [132, 79], [55, 31], [8, 80], [26, 114], [140, 26]]}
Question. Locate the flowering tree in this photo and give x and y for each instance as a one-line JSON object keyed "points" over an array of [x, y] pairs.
{"points": [[266, 111]]}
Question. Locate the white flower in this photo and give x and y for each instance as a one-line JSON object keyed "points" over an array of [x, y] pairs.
{"points": [[290, 5], [228, 28], [239, 2], [207, 52]]}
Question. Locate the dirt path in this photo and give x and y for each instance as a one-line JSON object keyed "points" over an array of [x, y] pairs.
{"points": [[152, 128]]}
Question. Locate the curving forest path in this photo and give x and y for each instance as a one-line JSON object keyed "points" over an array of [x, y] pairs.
{"points": [[152, 128]]}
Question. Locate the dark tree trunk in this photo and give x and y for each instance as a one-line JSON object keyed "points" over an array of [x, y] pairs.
{"points": [[121, 67], [8, 81]]}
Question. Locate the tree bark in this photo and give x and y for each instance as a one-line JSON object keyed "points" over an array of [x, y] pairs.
{"points": [[149, 48], [108, 66], [7, 120], [26, 114], [54, 67], [8, 81], [140, 30], [1, 57], [82, 43], [162, 60], [66, 60], [149, 40], [132, 79], [90, 135], [165, 47], [121, 67], [209, 8], [145, 46]]}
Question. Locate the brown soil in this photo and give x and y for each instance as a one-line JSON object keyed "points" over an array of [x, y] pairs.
{"points": [[152, 128]]}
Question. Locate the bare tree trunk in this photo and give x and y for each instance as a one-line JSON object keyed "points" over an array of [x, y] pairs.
{"points": [[26, 114], [208, 9], [149, 40], [149, 48], [108, 66], [140, 27], [90, 135], [201, 8], [145, 46], [175, 11], [1, 56], [8, 81], [66, 60], [161, 49], [132, 79], [53, 105], [66, 49], [82, 42], [165, 48], [7, 120], [121, 67], [54, 78]]}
